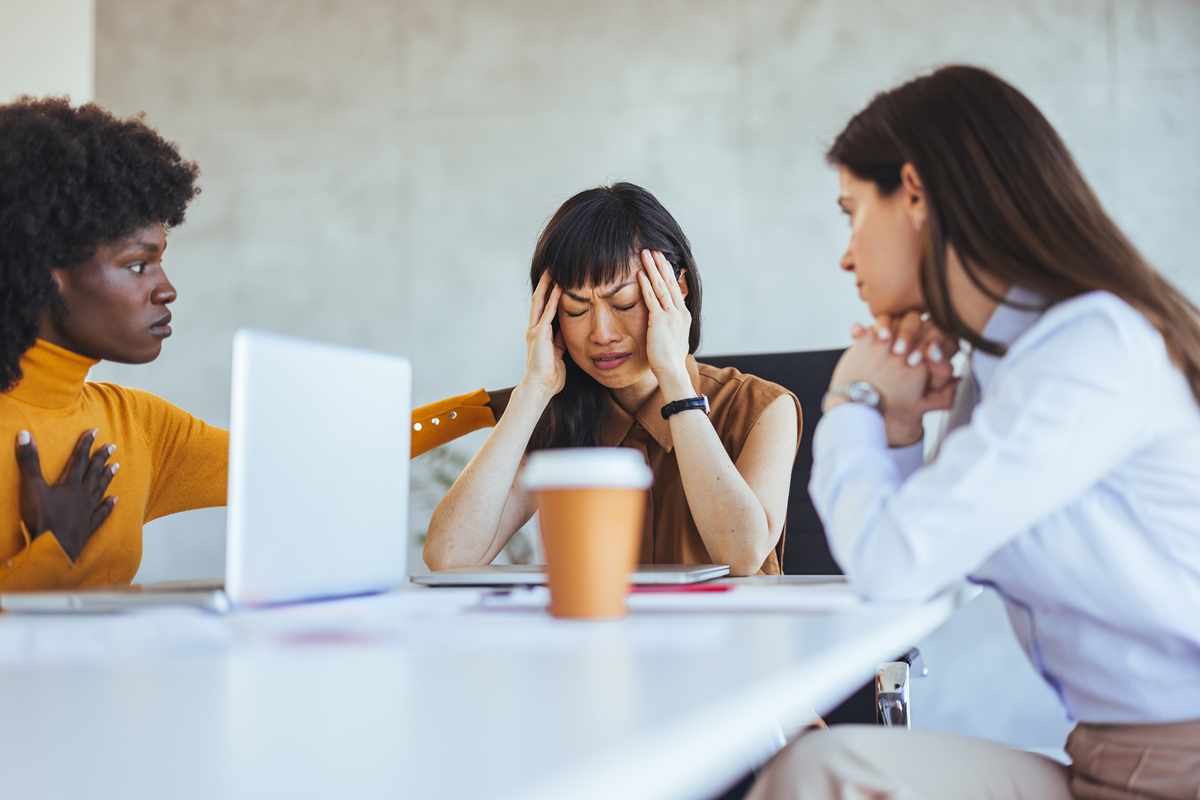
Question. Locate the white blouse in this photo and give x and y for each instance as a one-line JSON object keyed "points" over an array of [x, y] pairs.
{"points": [[1074, 490]]}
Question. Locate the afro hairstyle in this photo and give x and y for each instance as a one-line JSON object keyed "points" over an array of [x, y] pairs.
{"points": [[70, 180]]}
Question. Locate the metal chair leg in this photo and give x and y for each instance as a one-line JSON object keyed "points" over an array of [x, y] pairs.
{"points": [[891, 689]]}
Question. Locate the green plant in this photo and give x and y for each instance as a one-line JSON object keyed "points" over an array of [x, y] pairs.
{"points": [[432, 476]]}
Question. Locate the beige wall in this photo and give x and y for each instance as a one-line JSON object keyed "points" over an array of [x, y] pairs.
{"points": [[47, 47]]}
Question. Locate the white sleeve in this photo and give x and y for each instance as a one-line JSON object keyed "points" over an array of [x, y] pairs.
{"points": [[908, 459], [1066, 405]]}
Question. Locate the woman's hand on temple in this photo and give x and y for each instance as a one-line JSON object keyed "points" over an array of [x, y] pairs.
{"points": [[73, 508], [545, 370], [670, 324], [485, 506]]}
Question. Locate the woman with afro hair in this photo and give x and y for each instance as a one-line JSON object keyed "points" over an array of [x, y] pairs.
{"points": [[86, 202]]}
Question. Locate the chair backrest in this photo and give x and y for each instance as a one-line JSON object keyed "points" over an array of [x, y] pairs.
{"points": [[806, 374]]}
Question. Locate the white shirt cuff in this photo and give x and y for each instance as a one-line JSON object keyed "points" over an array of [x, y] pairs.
{"points": [[849, 424], [908, 459]]}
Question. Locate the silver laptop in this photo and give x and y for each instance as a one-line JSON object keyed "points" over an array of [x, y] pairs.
{"points": [[510, 575], [318, 483]]}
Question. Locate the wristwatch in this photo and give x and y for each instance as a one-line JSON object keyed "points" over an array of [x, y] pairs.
{"points": [[857, 392], [700, 402]]}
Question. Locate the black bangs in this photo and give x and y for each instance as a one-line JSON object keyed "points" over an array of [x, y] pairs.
{"points": [[595, 238], [595, 242]]}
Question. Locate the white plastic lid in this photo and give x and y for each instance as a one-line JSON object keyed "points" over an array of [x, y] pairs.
{"points": [[591, 467]]}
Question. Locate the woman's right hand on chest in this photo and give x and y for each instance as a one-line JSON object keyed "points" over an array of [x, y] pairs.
{"points": [[545, 372], [74, 507]]}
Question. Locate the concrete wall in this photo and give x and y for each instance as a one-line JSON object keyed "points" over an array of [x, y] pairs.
{"points": [[47, 47], [376, 172]]}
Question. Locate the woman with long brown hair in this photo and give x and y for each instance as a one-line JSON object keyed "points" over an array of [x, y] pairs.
{"points": [[1069, 480]]}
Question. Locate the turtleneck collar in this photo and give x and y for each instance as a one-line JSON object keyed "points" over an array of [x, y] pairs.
{"points": [[51, 376]]}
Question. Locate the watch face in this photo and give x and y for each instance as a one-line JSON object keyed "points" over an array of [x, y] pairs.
{"points": [[863, 392]]}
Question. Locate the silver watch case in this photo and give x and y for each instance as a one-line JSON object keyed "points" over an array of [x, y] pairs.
{"points": [[859, 392]]}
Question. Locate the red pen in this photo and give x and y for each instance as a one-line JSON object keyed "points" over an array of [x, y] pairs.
{"points": [[682, 587]]}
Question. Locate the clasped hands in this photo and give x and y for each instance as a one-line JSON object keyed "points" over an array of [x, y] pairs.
{"points": [[907, 359]]}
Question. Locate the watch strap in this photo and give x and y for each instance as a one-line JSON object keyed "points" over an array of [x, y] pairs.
{"points": [[700, 402]]}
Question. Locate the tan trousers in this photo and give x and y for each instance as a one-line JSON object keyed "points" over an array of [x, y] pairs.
{"points": [[1111, 762]]}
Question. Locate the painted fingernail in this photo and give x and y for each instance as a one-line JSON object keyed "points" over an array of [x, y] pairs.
{"points": [[112, 448], [113, 469], [884, 334], [914, 358], [115, 499], [23, 437], [94, 433], [900, 347], [935, 353]]}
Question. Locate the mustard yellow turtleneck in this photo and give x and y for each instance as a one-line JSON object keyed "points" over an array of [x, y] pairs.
{"points": [[170, 461]]}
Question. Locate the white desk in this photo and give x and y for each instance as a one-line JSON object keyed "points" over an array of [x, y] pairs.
{"points": [[413, 695]]}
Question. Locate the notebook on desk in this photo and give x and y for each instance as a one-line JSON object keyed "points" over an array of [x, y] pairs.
{"points": [[318, 483], [533, 575]]}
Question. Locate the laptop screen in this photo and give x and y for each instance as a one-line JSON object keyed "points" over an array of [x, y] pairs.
{"points": [[318, 470]]}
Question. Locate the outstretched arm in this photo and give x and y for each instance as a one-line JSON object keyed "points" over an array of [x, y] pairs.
{"points": [[444, 421]]}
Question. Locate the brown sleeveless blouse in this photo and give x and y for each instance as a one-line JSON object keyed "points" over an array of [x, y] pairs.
{"points": [[736, 401]]}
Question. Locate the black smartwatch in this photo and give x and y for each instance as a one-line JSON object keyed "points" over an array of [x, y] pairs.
{"points": [[700, 402]]}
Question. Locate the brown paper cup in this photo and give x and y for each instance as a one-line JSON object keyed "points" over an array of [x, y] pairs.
{"points": [[591, 503]]}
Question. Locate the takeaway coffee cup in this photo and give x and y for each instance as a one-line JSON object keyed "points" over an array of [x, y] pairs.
{"points": [[591, 501]]}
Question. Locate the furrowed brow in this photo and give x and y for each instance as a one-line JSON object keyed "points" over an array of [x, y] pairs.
{"points": [[610, 293], [616, 289]]}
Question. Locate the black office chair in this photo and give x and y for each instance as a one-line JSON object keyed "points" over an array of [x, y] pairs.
{"points": [[806, 374]]}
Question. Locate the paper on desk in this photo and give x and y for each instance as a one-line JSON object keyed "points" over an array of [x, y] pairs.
{"points": [[28, 639], [818, 597], [370, 619]]}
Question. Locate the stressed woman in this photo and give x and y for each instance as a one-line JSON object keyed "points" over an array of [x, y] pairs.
{"points": [[1069, 480], [86, 201], [613, 325]]}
